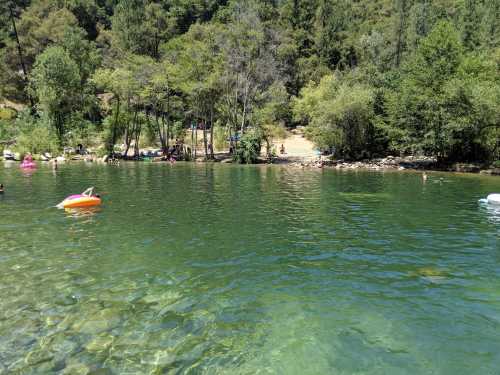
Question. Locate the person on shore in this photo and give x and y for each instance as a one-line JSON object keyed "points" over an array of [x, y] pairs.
{"points": [[54, 165], [282, 149]]}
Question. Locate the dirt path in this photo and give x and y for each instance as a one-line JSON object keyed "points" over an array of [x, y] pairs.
{"points": [[297, 148]]}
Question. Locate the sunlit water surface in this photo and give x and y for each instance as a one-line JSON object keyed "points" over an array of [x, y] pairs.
{"points": [[199, 269]]}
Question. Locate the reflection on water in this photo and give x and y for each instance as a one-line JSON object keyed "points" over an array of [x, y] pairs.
{"points": [[82, 212], [245, 270], [492, 212]]}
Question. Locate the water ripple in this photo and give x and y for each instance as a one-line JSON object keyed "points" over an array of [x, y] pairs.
{"points": [[245, 270]]}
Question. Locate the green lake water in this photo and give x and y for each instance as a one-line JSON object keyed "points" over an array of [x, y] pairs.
{"points": [[220, 269]]}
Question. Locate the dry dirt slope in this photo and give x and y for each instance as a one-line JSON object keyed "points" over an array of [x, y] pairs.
{"points": [[296, 147]]}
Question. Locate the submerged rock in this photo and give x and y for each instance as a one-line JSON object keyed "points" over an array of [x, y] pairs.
{"points": [[104, 320], [162, 298], [63, 346], [160, 357], [38, 356], [100, 343], [76, 369]]}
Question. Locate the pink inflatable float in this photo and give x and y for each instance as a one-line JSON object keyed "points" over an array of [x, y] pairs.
{"points": [[28, 162]]}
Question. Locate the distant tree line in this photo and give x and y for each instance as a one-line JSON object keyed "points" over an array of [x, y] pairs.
{"points": [[365, 78]]}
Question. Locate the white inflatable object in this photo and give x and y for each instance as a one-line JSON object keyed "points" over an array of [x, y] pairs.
{"points": [[493, 199], [8, 155]]}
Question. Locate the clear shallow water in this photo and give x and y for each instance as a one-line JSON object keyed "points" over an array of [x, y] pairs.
{"points": [[248, 270]]}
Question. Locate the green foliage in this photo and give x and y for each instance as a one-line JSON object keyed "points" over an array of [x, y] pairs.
{"points": [[7, 114], [34, 135], [339, 115], [55, 83], [112, 129], [128, 33], [447, 103], [8, 132], [82, 131], [221, 136], [178, 130], [248, 148]]}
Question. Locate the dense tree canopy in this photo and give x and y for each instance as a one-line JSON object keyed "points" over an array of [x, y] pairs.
{"points": [[365, 78]]}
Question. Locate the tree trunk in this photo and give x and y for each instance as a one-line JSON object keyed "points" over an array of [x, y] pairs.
{"points": [[167, 135], [192, 141], [129, 134], [245, 99], [212, 133], [59, 124], [167, 122], [400, 31], [113, 137], [205, 145], [137, 134], [161, 131], [195, 141], [21, 58]]}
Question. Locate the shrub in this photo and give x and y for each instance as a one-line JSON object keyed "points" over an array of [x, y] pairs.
{"points": [[41, 139], [248, 149], [35, 135], [7, 114], [220, 137], [7, 130], [82, 132]]}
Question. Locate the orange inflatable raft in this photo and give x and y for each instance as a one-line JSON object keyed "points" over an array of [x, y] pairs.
{"points": [[79, 200]]}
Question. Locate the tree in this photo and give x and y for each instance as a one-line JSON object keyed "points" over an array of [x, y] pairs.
{"points": [[272, 116], [137, 88], [402, 9], [195, 59], [55, 82], [157, 28], [338, 115], [249, 69], [446, 100], [128, 26], [19, 47], [332, 18], [162, 100]]}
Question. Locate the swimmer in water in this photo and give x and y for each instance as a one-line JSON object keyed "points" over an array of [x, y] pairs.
{"points": [[1, 188]]}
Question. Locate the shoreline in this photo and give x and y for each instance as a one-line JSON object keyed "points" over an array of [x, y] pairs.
{"points": [[389, 163]]}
